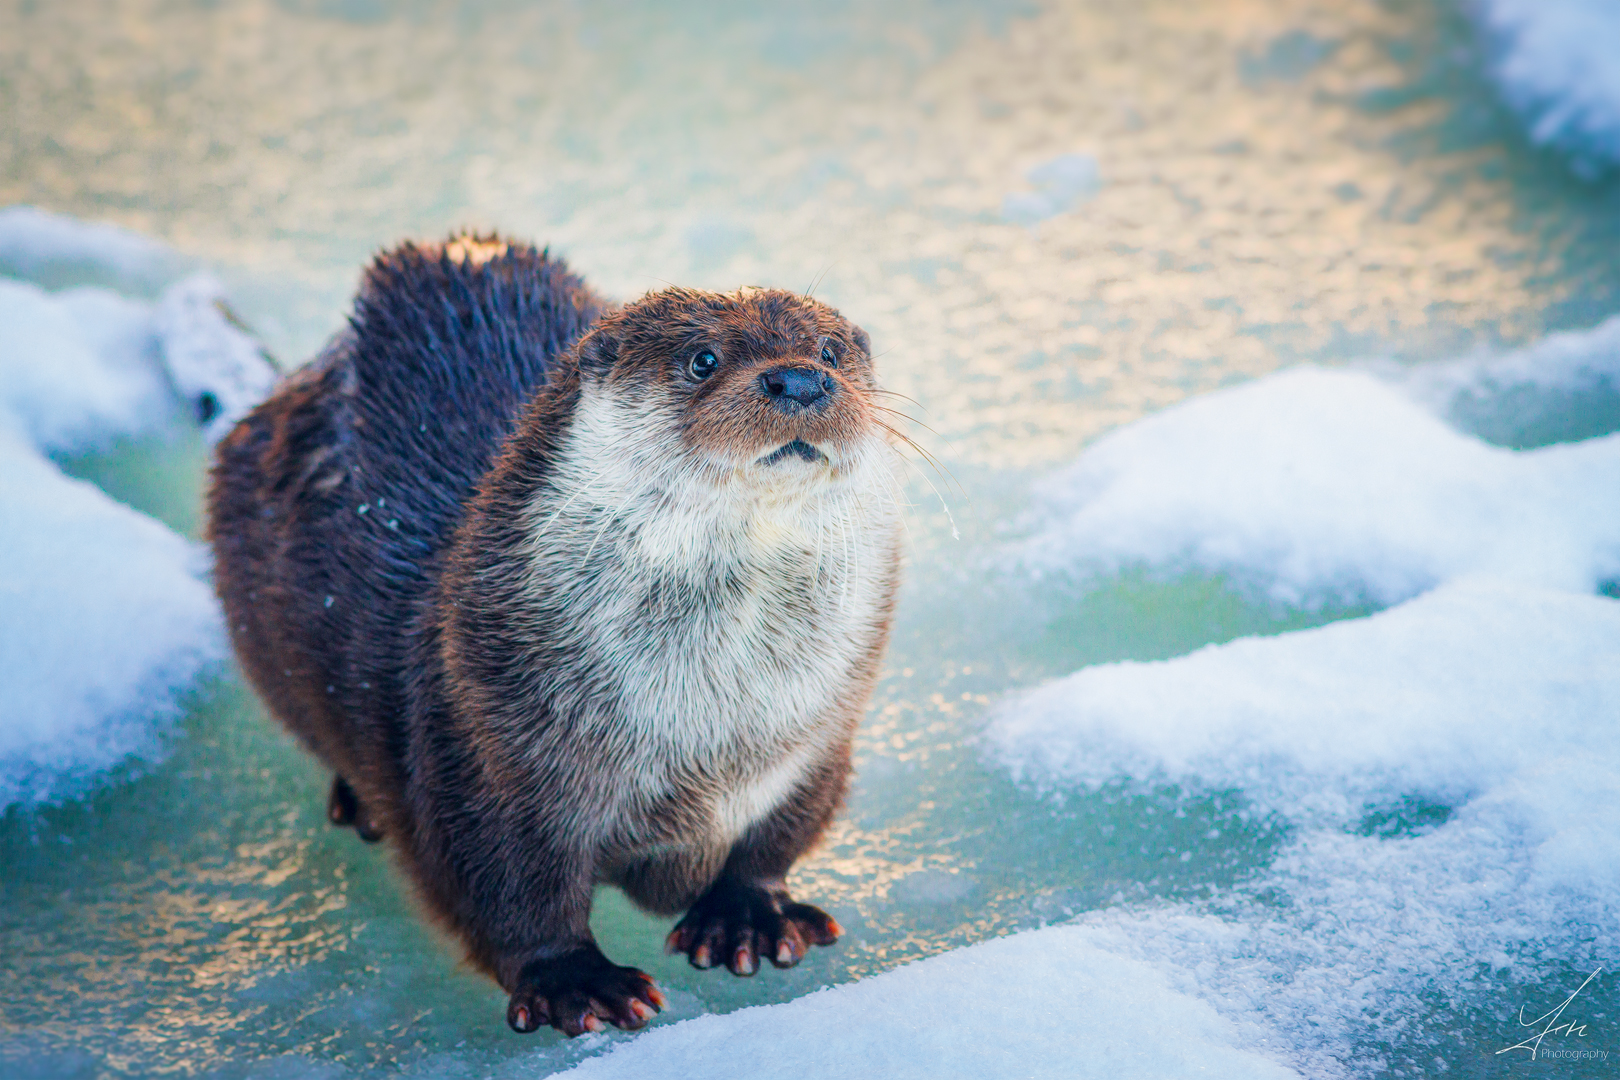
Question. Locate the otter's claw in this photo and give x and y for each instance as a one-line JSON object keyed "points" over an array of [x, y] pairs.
{"points": [[737, 923], [581, 991]]}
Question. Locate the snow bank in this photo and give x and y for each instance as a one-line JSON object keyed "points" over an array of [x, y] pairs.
{"points": [[1554, 64], [1315, 485], [1489, 704], [56, 250], [1561, 389], [105, 615], [1439, 699], [78, 367], [1044, 1004]]}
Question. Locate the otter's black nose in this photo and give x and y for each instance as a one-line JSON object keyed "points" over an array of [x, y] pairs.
{"points": [[791, 388]]}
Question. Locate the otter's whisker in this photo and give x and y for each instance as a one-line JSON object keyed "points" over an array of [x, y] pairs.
{"points": [[578, 491]]}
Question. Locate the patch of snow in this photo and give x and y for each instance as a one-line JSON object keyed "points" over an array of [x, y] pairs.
{"points": [[103, 617], [1050, 1003], [1553, 62], [79, 366], [1563, 388], [1486, 702], [57, 250], [104, 614], [1316, 485], [1438, 698]]}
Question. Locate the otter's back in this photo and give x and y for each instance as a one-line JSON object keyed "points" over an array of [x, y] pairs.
{"points": [[444, 352], [331, 502]]}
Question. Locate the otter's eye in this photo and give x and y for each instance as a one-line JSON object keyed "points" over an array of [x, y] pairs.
{"points": [[828, 357], [702, 365]]}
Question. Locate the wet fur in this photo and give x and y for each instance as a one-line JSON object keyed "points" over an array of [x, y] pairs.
{"points": [[533, 594]]}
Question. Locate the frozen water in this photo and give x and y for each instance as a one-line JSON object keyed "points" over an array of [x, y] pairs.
{"points": [[106, 615], [1059, 184], [1316, 485], [1045, 1004], [1554, 64]]}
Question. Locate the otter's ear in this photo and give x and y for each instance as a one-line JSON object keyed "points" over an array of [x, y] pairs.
{"points": [[598, 351], [862, 342]]}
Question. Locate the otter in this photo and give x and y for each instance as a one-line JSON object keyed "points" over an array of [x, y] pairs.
{"points": [[565, 593]]}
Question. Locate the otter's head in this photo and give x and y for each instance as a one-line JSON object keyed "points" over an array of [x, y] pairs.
{"points": [[760, 387]]}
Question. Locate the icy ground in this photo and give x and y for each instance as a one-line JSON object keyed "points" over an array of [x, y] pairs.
{"points": [[1439, 777], [1355, 813], [106, 616], [1447, 770]]}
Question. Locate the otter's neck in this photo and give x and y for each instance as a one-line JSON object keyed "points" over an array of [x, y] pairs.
{"points": [[699, 607]]}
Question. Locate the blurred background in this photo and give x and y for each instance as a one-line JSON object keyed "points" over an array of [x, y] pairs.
{"points": [[1054, 219]]}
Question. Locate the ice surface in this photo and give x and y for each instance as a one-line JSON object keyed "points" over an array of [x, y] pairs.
{"points": [[105, 614], [1451, 774], [1553, 62], [1059, 184], [1050, 1003], [1316, 485]]}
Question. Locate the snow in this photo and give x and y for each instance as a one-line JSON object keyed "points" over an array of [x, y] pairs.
{"points": [[79, 366], [1563, 388], [1045, 1004], [51, 248], [1439, 698], [1554, 64], [1444, 773], [1315, 486], [1486, 700], [106, 618]]}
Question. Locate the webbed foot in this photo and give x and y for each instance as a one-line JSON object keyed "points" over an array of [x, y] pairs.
{"points": [[736, 923], [579, 992]]}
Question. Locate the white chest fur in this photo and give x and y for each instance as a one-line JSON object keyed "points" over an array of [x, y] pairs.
{"points": [[719, 611]]}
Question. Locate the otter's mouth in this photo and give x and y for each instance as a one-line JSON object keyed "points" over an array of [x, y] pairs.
{"points": [[797, 448]]}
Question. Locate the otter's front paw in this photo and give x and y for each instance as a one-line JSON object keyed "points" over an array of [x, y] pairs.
{"points": [[578, 991], [736, 923]]}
